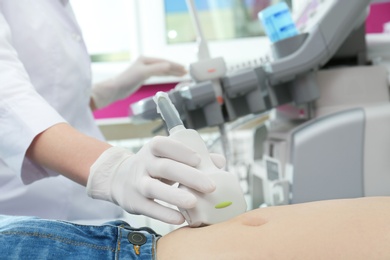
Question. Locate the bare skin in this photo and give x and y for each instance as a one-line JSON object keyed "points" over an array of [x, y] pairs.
{"points": [[334, 229]]}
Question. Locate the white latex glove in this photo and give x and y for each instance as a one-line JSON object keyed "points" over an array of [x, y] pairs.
{"points": [[134, 181], [132, 78], [218, 159]]}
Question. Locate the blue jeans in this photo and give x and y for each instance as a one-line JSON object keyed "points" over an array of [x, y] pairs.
{"points": [[34, 238]]}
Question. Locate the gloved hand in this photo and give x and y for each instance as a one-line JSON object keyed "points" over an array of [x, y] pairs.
{"points": [[218, 159], [135, 181], [132, 78]]}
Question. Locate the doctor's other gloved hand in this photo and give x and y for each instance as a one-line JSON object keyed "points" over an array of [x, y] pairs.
{"points": [[132, 78], [135, 181]]}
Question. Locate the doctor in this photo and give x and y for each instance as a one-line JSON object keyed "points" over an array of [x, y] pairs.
{"points": [[51, 151]]}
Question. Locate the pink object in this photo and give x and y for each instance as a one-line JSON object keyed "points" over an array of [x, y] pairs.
{"points": [[121, 107], [378, 16]]}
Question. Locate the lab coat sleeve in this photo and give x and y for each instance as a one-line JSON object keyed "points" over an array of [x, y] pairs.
{"points": [[23, 112]]}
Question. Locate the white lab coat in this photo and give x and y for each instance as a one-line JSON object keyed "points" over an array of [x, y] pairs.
{"points": [[45, 79]]}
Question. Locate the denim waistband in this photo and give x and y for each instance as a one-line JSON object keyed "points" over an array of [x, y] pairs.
{"points": [[34, 238], [135, 243]]}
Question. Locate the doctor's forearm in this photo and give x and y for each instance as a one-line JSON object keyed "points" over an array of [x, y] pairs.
{"points": [[67, 151]]}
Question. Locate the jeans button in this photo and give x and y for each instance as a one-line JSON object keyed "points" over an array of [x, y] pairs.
{"points": [[136, 238]]}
